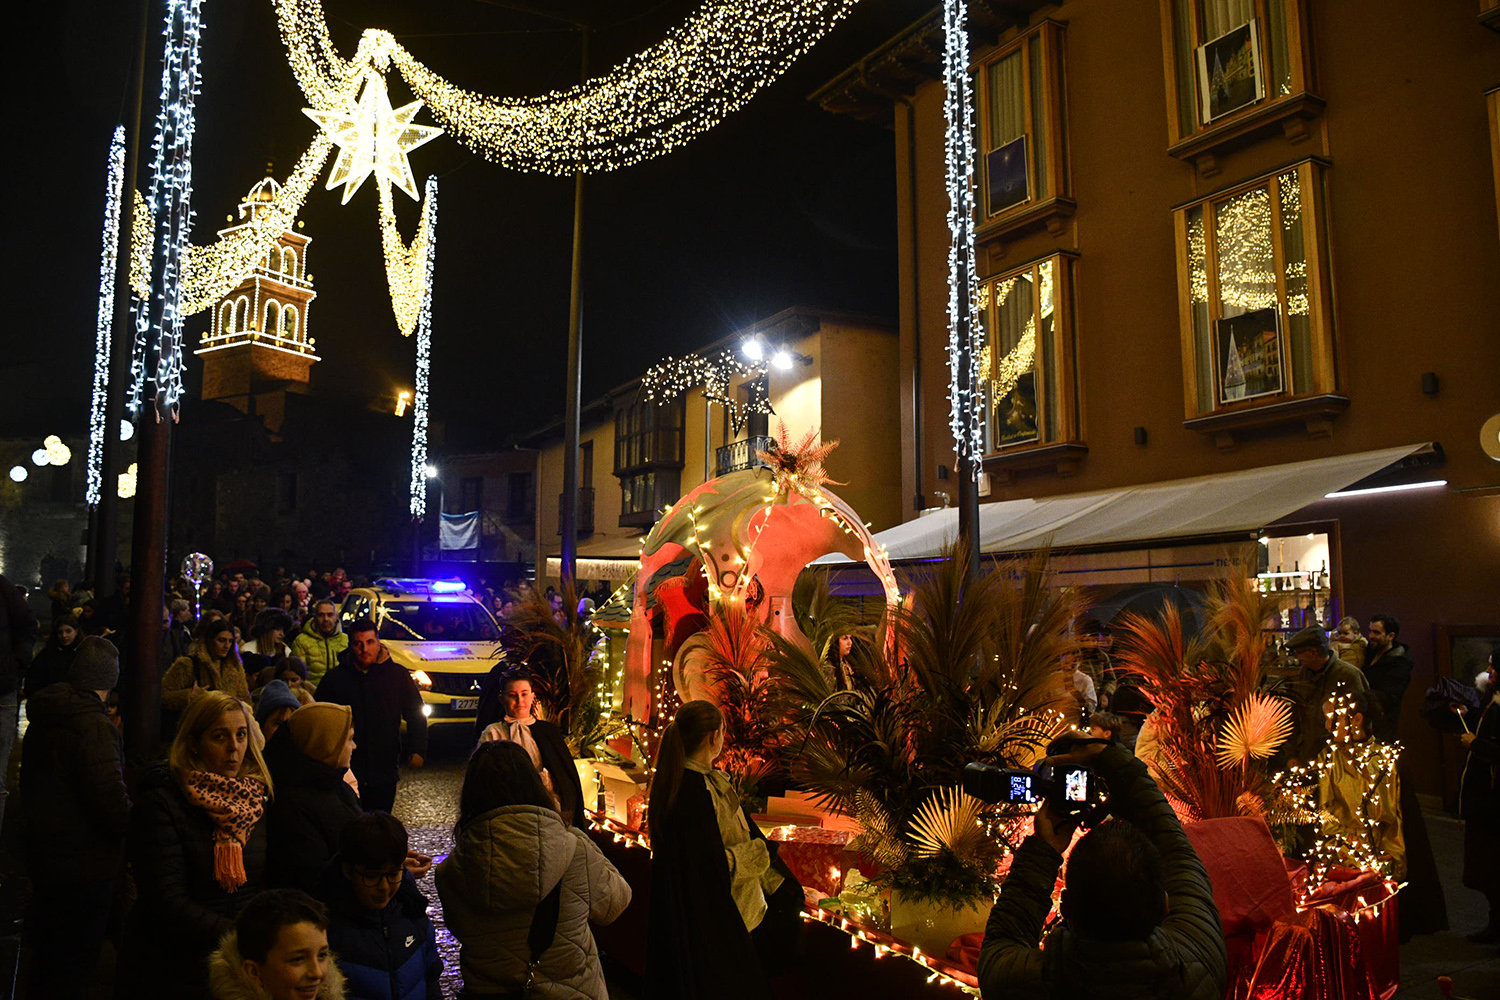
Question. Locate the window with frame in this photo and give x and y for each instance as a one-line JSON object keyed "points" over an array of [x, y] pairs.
{"points": [[1255, 294], [648, 458], [1029, 366], [1234, 66], [1022, 128]]}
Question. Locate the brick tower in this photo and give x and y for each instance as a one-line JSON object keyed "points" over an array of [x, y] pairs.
{"points": [[257, 349]]}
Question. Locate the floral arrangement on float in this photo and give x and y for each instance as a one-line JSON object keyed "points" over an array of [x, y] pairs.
{"points": [[963, 670]]}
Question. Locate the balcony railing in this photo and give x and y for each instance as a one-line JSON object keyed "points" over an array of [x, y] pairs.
{"points": [[585, 510], [737, 455]]}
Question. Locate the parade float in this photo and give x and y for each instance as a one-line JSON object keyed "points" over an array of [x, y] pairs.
{"points": [[855, 771]]}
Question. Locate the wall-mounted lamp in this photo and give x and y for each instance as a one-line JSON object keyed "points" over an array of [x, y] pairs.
{"points": [[785, 359], [753, 348]]}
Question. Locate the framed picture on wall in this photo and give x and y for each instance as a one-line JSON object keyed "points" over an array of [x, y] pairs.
{"points": [[1229, 72], [1006, 177], [1249, 353]]}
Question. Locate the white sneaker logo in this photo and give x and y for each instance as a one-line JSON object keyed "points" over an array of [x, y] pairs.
{"points": [[410, 940]]}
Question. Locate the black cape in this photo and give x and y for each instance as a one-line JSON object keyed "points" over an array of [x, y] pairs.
{"points": [[696, 945]]}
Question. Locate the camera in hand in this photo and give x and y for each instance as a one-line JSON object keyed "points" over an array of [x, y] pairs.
{"points": [[1067, 789]]}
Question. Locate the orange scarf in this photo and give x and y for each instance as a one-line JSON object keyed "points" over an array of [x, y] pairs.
{"points": [[235, 805]]}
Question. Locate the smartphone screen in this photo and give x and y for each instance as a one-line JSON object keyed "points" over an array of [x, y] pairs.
{"points": [[1076, 784]]}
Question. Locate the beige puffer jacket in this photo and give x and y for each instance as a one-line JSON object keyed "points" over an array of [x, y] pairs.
{"points": [[503, 864]]}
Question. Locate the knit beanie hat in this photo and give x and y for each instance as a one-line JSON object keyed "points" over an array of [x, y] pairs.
{"points": [[320, 729], [273, 697], [96, 666]]}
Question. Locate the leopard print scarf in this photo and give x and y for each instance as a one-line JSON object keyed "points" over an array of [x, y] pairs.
{"points": [[235, 805]]}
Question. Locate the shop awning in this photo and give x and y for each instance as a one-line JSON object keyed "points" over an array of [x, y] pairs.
{"points": [[1221, 504], [612, 559]]}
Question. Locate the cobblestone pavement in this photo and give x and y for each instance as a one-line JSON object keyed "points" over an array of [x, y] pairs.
{"points": [[427, 802]]}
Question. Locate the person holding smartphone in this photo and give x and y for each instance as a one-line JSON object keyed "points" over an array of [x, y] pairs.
{"points": [[1138, 910]]}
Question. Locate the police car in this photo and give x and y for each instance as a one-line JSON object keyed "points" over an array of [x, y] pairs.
{"points": [[437, 630]]}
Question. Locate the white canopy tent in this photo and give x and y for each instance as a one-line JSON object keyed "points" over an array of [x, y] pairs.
{"points": [[1219, 504]]}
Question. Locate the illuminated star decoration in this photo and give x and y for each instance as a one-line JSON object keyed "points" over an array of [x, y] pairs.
{"points": [[799, 466], [373, 138]]}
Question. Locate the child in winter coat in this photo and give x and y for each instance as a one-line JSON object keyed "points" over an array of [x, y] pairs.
{"points": [[278, 950], [379, 931]]}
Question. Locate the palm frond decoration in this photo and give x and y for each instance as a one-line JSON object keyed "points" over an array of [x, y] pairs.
{"points": [[1198, 685], [799, 466], [1255, 730], [948, 821]]}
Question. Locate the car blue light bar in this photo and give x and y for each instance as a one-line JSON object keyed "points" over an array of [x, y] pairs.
{"points": [[448, 586]]}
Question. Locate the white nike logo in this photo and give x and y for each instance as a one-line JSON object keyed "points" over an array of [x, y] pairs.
{"points": [[410, 940]]}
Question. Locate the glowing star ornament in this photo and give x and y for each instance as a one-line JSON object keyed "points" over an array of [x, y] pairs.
{"points": [[373, 138]]}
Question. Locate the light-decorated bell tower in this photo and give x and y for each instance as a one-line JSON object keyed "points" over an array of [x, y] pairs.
{"points": [[257, 348]]}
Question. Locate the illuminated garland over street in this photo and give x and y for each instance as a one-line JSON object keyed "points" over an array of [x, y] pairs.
{"points": [[653, 102], [109, 243], [158, 339], [965, 414], [427, 237]]}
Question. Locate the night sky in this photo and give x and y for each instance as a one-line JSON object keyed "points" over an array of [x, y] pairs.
{"points": [[783, 204]]}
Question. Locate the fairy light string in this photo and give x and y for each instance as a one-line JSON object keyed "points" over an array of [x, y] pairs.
{"points": [[651, 103], [428, 240], [157, 360], [965, 414], [104, 325]]}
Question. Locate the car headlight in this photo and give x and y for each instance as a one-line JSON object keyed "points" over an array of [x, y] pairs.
{"points": [[427, 710], [423, 681]]}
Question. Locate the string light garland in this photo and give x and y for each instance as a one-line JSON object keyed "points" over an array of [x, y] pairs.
{"points": [[159, 322], [114, 185], [965, 414], [651, 103], [428, 238], [718, 379], [406, 267]]}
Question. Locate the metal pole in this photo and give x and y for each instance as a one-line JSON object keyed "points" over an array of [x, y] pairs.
{"points": [[104, 520], [571, 414], [148, 576]]}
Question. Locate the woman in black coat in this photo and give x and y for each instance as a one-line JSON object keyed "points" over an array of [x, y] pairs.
{"points": [[50, 666], [308, 757], [721, 902], [543, 742], [197, 848]]}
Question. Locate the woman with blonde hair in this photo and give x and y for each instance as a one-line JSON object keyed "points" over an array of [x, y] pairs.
{"points": [[197, 846]]}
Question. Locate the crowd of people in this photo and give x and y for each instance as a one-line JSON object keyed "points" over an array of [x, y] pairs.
{"points": [[259, 857]]}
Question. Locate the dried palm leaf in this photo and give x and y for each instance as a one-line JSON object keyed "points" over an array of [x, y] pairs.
{"points": [[948, 821], [1255, 730]]}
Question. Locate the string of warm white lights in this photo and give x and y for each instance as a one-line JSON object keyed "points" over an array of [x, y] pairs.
{"points": [[965, 413], [406, 267], [717, 378], [159, 322], [104, 325], [651, 103], [428, 238]]}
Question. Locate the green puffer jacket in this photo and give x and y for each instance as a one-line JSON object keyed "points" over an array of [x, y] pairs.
{"points": [[1183, 959], [320, 652]]}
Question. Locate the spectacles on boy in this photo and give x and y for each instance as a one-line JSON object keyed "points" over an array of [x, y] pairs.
{"points": [[371, 879]]}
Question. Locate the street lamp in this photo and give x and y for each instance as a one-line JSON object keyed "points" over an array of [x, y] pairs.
{"points": [[18, 473], [753, 349], [784, 359]]}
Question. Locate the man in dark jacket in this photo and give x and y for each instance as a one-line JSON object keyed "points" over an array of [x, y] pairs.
{"points": [[1138, 909], [18, 631], [1388, 671], [1322, 676], [381, 693], [75, 812]]}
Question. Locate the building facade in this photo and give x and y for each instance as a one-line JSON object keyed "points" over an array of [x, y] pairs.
{"points": [[640, 450], [1217, 236]]}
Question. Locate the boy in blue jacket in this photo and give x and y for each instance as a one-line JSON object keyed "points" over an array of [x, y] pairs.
{"points": [[378, 928]]}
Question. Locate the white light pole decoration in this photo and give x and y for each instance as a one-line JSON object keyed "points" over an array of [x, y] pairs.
{"points": [[158, 328], [965, 337], [113, 185], [424, 349]]}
